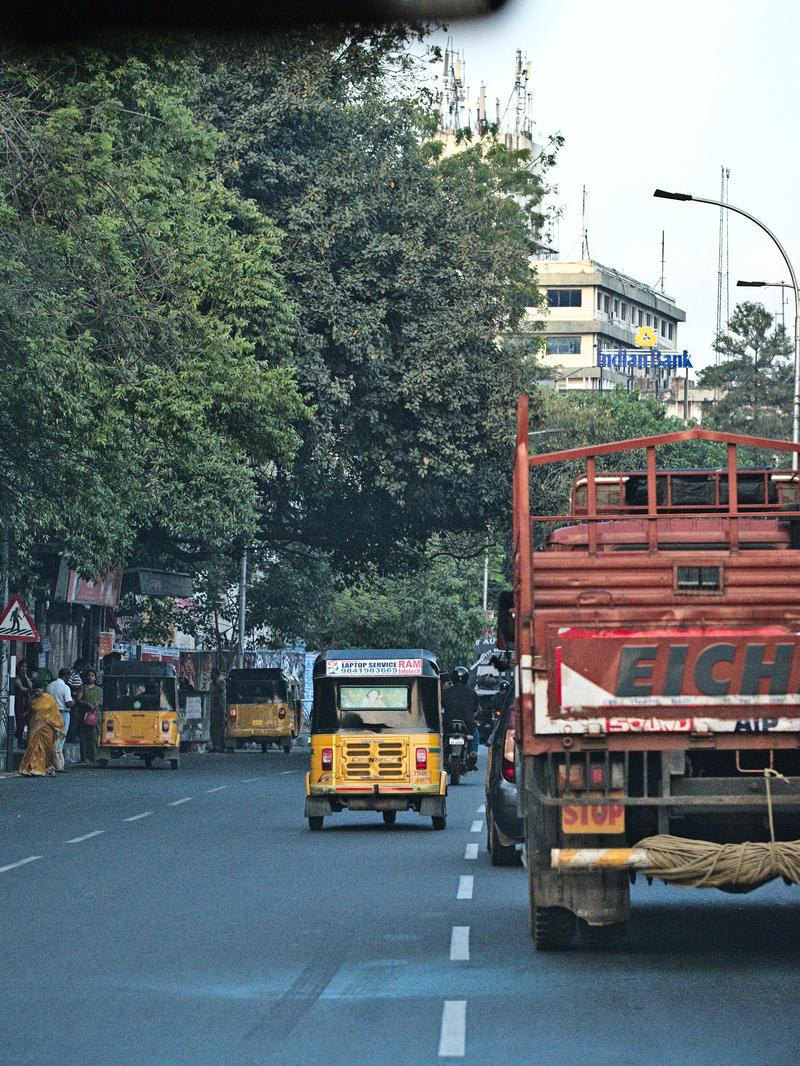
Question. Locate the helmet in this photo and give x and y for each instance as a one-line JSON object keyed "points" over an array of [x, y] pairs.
{"points": [[459, 675], [504, 685]]}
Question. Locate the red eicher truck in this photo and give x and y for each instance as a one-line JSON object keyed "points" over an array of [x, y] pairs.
{"points": [[658, 666]]}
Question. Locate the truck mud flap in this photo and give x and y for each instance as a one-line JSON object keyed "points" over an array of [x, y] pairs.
{"points": [[600, 897]]}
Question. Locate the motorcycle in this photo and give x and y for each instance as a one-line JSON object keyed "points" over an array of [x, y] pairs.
{"points": [[457, 751]]}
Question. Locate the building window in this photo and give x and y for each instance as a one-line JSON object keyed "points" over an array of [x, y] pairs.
{"points": [[670, 330], [563, 297], [563, 346], [606, 303], [616, 308], [599, 300], [640, 314], [623, 310]]}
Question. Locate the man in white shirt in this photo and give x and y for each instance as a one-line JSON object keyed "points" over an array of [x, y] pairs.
{"points": [[62, 694]]}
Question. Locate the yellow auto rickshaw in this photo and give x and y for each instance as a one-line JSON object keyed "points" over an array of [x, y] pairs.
{"points": [[376, 741], [263, 705], [140, 713]]}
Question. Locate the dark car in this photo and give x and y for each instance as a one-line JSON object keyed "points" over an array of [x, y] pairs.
{"points": [[504, 828]]}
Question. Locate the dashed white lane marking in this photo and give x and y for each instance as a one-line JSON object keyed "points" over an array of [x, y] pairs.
{"points": [[471, 851], [482, 809], [86, 836], [20, 862], [459, 944], [287, 772], [476, 826], [177, 803], [465, 883], [136, 817], [453, 1034], [219, 788], [246, 780]]}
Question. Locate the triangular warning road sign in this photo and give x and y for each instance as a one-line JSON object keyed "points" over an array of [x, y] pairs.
{"points": [[16, 623]]}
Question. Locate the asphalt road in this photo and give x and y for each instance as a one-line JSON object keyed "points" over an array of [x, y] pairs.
{"points": [[191, 918]]}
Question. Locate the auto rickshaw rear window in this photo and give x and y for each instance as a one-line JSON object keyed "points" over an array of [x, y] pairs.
{"points": [[383, 697], [139, 694], [265, 690]]}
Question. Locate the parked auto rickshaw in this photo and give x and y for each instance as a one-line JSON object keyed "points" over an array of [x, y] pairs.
{"points": [[140, 713], [263, 705], [376, 740]]}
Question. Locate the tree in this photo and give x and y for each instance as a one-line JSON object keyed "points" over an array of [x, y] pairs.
{"points": [[405, 269], [755, 375], [144, 327]]}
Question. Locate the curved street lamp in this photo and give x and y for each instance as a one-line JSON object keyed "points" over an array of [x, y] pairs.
{"points": [[739, 211]]}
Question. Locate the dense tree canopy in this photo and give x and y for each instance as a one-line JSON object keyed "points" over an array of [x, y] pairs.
{"points": [[405, 270], [754, 374], [144, 326]]}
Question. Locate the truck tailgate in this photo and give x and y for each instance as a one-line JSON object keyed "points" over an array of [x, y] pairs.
{"points": [[691, 678]]}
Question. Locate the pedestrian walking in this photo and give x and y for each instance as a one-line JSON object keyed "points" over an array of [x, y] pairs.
{"points": [[62, 694], [45, 731], [23, 689], [88, 705]]}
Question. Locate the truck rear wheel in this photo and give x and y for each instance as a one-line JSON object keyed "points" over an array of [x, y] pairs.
{"points": [[390, 817], [603, 937], [264, 746], [148, 761], [552, 928], [315, 822], [439, 821]]}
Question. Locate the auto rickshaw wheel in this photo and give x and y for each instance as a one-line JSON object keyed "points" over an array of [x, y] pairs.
{"points": [[287, 748], [102, 763], [264, 746], [174, 763], [315, 822], [148, 761], [390, 817], [439, 821]]}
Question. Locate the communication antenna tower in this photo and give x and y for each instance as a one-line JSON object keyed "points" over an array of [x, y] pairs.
{"points": [[523, 100], [723, 259], [661, 279], [453, 96], [584, 231]]}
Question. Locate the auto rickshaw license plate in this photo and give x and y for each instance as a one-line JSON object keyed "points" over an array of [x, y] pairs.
{"points": [[594, 818]]}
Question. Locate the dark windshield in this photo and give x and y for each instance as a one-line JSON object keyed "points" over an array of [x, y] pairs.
{"points": [[266, 690], [139, 694], [376, 706]]}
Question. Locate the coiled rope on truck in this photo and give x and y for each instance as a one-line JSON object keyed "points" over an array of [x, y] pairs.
{"points": [[743, 867]]}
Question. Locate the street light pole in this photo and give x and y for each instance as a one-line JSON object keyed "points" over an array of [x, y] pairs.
{"points": [[746, 214]]}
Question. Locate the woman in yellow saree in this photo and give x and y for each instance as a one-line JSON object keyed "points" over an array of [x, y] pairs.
{"points": [[45, 726]]}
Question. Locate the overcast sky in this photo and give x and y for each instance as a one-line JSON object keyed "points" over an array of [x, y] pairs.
{"points": [[663, 95]]}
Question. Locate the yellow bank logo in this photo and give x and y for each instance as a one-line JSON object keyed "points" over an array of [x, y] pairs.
{"points": [[646, 337]]}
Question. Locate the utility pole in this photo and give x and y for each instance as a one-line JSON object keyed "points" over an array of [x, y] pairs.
{"points": [[5, 698], [486, 579], [242, 607]]}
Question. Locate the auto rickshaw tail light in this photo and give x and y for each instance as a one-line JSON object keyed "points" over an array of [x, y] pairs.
{"points": [[327, 758], [282, 712], [110, 725], [165, 727], [422, 758], [232, 712]]}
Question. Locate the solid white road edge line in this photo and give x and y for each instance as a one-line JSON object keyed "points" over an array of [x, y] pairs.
{"points": [[177, 803], [453, 1034], [471, 851], [136, 817], [476, 826], [86, 836], [465, 884], [20, 862], [219, 788], [459, 944]]}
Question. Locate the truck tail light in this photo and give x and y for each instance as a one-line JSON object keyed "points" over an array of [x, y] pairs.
{"points": [[422, 758], [165, 727], [327, 758], [232, 713], [282, 712], [507, 767]]}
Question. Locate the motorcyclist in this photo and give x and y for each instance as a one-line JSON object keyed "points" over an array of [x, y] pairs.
{"points": [[460, 702]]}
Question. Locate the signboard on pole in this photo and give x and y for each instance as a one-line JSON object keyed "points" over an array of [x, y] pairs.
{"points": [[16, 623]]}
